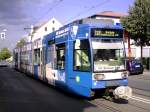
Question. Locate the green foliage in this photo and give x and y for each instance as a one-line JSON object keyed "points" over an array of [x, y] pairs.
{"points": [[138, 22], [21, 42], [4, 54]]}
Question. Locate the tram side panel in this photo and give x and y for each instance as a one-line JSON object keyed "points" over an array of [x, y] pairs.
{"points": [[29, 65], [38, 59], [71, 69], [55, 60], [68, 63]]}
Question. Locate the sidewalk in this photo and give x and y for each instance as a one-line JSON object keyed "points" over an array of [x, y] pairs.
{"points": [[146, 72]]}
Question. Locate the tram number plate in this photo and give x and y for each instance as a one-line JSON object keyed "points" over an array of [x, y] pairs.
{"points": [[112, 83]]}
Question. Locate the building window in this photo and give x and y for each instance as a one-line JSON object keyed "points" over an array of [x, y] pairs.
{"points": [[53, 29], [53, 21], [45, 28], [2, 35]]}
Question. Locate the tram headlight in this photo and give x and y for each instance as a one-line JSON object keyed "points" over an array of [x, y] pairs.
{"points": [[99, 76], [124, 74]]}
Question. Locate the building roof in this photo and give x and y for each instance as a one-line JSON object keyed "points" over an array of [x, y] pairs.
{"points": [[39, 25], [109, 14]]}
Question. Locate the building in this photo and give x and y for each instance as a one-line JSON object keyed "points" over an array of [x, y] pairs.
{"points": [[43, 29], [115, 18], [109, 15], [35, 46]]}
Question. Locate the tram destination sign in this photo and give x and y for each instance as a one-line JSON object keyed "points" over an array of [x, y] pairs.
{"points": [[105, 33]]}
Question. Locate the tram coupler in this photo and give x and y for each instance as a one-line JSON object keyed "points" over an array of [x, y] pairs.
{"points": [[123, 92]]}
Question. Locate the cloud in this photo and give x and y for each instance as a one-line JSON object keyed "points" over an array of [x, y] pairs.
{"points": [[20, 11], [10, 11]]}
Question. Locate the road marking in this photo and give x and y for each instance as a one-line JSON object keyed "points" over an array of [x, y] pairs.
{"points": [[140, 99]]}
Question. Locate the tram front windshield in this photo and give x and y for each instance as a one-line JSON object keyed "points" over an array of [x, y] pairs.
{"points": [[108, 56]]}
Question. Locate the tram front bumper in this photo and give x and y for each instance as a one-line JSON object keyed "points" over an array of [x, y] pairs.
{"points": [[123, 92]]}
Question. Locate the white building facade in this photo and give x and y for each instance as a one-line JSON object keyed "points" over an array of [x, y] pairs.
{"points": [[44, 29]]}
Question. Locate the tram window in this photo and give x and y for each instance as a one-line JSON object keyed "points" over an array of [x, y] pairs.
{"points": [[37, 56], [60, 56], [82, 55]]}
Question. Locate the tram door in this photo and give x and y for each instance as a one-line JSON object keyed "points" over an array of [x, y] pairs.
{"points": [[36, 62], [55, 65], [43, 69], [60, 63], [50, 63], [16, 60], [41, 64]]}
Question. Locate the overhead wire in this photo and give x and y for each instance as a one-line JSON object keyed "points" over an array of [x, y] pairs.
{"points": [[34, 24], [85, 11], [49, 10], [74, 17]]}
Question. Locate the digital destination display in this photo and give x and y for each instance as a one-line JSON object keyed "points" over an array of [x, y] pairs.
{"points": [[108, 33]]}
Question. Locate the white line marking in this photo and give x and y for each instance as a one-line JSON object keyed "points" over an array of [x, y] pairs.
{"points": [[140, 99]]}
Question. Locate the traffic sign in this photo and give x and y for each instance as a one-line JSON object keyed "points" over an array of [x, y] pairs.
{"points": [[2, 35]]}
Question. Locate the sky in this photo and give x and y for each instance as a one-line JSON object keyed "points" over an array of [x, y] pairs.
{"points": [[15, 15]]}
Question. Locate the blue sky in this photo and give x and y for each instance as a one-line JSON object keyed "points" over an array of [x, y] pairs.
{"points": [[15, 15]]}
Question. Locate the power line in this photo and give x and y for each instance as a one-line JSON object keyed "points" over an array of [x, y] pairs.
{"points": [[49, 10], [89, 9], [45, 14]]}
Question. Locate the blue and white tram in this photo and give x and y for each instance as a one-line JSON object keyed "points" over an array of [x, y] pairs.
{"points": [[86, 59]]}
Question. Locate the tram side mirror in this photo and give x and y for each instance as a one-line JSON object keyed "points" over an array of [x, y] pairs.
{"points": [[77, 44]]}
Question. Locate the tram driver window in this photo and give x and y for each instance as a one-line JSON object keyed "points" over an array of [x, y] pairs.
{"points": [[60, 56], [82, 55]]}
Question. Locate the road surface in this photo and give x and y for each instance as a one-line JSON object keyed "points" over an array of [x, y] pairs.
{"points": [[20, 93]]}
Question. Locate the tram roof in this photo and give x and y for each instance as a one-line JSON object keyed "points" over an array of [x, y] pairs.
{"points": [[80, 26]]}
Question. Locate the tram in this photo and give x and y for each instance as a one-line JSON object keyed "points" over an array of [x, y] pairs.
{"points": [[83, 58]]}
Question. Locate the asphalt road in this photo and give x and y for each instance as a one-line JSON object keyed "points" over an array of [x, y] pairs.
{"points": [[140, 84], [20, 93], [141, 81]]}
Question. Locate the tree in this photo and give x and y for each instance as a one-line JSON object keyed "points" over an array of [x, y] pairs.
{"points": [[137, 23], [5, 53], [21, 42]]}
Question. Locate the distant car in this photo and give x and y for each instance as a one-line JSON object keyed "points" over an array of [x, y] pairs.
{"points": [[3, 63], [135, 66]]}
